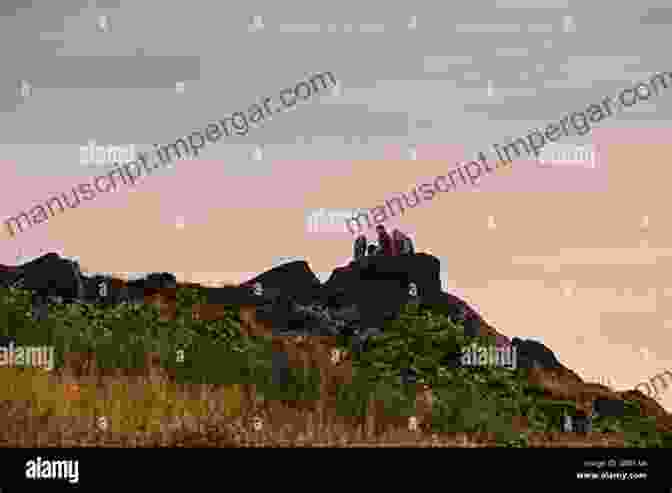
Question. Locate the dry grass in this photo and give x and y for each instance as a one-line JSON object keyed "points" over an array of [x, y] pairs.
{"points": [[81, 406]]}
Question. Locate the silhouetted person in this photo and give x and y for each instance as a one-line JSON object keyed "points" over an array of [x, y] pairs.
{"points": [[360, 248], [371, 250], [406, 245], [397, 240], [384, 240]]}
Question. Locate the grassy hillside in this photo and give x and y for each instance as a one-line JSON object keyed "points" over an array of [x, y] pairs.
{"points": [[125, 377]]}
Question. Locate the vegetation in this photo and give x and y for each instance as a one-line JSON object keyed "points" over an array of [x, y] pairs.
{"points": [[124, 377]]}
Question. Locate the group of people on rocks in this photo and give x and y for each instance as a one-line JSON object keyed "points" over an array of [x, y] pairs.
{"points": [[396, 244]]}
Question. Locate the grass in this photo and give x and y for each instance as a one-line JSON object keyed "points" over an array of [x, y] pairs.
{"points": [[125, 377]]}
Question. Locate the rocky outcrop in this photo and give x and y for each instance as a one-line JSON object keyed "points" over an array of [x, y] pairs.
{"points": [[295, 279], [303, 316]]}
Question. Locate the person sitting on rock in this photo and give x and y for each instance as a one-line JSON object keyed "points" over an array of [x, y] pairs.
{"points": [[384, 240], [406, 245], [360, 248], [397, 242]]}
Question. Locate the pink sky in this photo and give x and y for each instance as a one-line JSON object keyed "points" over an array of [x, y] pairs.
{"points": [[552, 225]]}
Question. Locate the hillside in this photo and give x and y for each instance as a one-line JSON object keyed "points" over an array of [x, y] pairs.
{"points": [[284, 358]]}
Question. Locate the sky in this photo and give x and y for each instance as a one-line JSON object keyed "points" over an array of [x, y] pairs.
{"points": [[574, 254]]}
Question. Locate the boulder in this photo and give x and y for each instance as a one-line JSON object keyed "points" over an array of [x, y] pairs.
{"points": [[149, 285], [133, 291], [10, 276], [421, 269], [54, 278], [93, 288], [116, 291], [348, 314], [376, 288], [534, 354], [108, 290], [161, 280], [379, 300], [277, 314], [285, 315], [51, 275], [582, 424], [6, 341], [295, 279], [609, 407], [341, 279], [240, 295], [379, 286], [158, 288]]}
